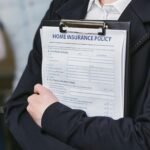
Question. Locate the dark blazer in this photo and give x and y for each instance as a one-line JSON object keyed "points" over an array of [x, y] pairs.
{"points": [[64, 128]]}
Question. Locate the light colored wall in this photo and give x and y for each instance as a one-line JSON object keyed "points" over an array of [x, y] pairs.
{"points": [[21, 19]]}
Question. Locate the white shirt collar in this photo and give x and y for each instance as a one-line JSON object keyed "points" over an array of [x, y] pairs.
{"points": [[119, 5]]}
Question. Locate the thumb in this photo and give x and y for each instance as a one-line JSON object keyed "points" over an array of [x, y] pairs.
{"points": [[39, 89]]}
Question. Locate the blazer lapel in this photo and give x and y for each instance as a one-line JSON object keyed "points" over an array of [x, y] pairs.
{"points": [[138, 17], [73, 9]]}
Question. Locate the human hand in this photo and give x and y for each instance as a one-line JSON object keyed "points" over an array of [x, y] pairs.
{"points": [[39, 102]]}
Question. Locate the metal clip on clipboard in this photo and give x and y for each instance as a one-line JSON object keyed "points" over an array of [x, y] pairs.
{"points": [[99, 26]]}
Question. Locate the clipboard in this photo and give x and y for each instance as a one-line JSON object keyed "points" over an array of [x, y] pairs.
{"points": [[101, 27]]}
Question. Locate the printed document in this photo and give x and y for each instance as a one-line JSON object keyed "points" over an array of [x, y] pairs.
{"points": [[85, 70]]}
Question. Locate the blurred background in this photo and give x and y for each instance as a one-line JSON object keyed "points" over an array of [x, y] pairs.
{"points": [[19, 20]]}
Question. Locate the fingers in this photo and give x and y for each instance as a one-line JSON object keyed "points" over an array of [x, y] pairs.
{"points": [[39, 89], [31, 98], [31, 101], [35, 108], [39, 102]]}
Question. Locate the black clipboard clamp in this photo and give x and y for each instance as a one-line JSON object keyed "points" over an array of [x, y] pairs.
{"points": [[83, 24]]}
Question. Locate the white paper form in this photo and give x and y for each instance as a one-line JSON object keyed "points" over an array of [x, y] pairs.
{"points": [[85, 71]]}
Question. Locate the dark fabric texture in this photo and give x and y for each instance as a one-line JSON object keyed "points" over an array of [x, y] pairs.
{"points": [[64, 128]]}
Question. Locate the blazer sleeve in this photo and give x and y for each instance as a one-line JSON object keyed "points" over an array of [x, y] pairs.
{"points": [[75, 128], [23, 128]]}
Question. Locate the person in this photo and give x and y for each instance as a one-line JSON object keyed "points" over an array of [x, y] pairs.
{"points": [[39, 121]]}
